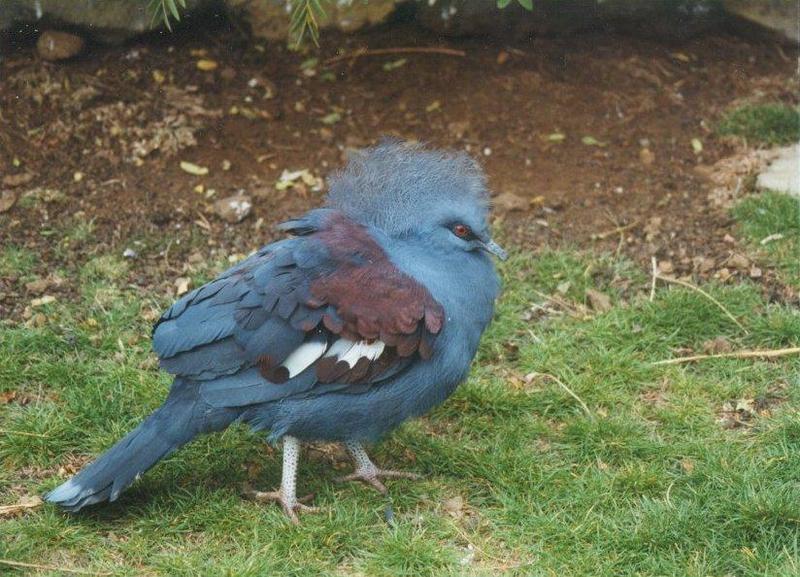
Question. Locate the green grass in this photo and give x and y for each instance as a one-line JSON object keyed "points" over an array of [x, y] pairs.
{"points": [[768, 124], [649, 483], [773, 218]]}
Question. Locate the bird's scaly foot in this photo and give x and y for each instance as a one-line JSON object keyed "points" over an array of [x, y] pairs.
{"points": [[291, 505], [372, 476]]}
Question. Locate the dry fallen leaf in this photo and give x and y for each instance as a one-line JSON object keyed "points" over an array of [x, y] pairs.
{"points": [[45, 300], [14, 180], [717, 346], [599, 301], [206, 65], [509, 202], [7, 200], [454, 506], [194, 169]]}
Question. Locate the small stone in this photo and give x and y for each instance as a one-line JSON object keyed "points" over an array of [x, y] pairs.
{"points": [[233, 209], [7, 200], [509, 202], [182, 285], [77, 176], [129, 253], [729, 239], [14, 180], [53, 45], [755, 272], [646, 156]]}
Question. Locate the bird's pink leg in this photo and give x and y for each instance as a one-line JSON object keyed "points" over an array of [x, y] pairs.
{"points": [[286, 495], [367, 472]]}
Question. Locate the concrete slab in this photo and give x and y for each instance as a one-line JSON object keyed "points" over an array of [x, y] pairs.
{"points": [[783, 174]]}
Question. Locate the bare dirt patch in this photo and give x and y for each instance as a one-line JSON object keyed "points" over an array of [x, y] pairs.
{"points": [[602, 140]]}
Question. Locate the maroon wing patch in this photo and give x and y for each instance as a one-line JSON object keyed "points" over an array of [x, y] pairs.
{"points": [[372, 298]]}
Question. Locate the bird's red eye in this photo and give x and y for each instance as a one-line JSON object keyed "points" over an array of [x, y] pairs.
{"points": [[461, 230]]}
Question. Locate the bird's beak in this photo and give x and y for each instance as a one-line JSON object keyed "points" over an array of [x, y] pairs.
{"points": [[494, 248]]}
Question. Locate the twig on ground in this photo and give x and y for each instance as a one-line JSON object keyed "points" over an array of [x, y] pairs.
{"points": [[384, 51], [20, 564], [24, 504], [705, 294], [654, 266], [613, 231], [21, 433], [569, 391], [769, 354]]}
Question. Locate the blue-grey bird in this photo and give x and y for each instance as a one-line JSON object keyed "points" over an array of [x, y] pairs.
{"points": [[368, 315]]}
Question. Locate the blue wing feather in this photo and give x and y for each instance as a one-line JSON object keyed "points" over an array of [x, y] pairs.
{"points": [[228, 334]]}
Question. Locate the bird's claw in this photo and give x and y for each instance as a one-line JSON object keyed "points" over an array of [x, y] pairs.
{"points": [[290, 505], [373, 476]]}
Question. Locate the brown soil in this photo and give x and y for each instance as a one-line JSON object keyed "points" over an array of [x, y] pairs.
{"points": [[124, 118]]}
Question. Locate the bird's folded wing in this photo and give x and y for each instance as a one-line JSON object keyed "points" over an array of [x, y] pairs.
{"points": [[326, 307]]}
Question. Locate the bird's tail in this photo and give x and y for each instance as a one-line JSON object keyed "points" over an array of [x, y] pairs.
{"points": [[168, 428]]}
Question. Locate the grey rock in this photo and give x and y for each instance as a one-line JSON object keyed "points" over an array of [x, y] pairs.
{"points": [[110, 21], [234, 208], [664, 18], [269, 19], [54, 45], [781, 17]]}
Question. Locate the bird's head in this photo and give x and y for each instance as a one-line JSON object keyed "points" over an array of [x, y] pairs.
{"points": [[407, 191]]}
